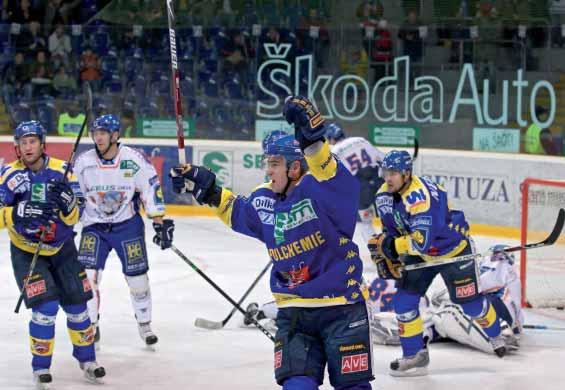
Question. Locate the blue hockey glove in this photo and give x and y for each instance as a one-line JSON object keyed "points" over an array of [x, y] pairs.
{"points": [[307, 120], [164, 233], [61, 194], [33, 216], [198, 181], [383, 254]]}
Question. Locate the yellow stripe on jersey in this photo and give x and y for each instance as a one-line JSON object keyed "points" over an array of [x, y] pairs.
{"points": [[225, 209], [322, 164], [6, 220], [410, 328], [291, 300], [488, 319], [41, 347], [82, 338]]}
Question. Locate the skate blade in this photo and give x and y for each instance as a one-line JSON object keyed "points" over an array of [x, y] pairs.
{"points": [[42, 386], [417, 371], [95, 381], [151, 348]]}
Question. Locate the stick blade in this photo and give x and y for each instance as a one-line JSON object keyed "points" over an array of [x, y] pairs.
{"points": [[207, 324], [557, 229]]}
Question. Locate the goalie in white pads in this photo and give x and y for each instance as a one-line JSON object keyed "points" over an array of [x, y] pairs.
{"points": [[443, 319], [116, 180], [363, 161]]}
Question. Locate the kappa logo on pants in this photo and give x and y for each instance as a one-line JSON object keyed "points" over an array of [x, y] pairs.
{"points": [[354, 363], [278, 359]]}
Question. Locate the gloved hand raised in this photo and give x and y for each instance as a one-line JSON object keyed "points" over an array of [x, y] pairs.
{"points": [[198, 181], [307, 120], [164, 233], [61, 194]]}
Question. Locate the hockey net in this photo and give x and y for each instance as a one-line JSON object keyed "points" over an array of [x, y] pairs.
{"points": [[542, 270]]}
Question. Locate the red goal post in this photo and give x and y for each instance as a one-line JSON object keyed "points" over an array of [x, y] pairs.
{"points": [[542, 271]]}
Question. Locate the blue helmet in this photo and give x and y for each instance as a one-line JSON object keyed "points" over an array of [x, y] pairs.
{"points": [[498, 253], [334, 132], [397, 160], [108, 122], [28, 128], [278, 143]]}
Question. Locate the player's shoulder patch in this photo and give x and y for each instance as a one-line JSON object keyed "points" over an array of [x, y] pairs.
{"points": [[383, 188], [416, 198], [56, 165], [10, 174]]}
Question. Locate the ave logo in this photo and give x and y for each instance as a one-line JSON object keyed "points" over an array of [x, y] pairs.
{"points": [[354, 363]]}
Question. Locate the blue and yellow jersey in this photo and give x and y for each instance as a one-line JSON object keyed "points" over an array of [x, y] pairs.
{"points": [[421, 220], [308, 235], [18, 183]]}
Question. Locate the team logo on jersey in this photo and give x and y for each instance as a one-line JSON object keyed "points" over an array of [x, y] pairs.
{"points": [[14, 184], [158, 198], [299, 214], [134, 251], [129, 165], [111, 201], [38, 193], [297, 276]]}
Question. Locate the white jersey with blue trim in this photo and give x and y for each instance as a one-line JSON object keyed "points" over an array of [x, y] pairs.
{"points": [[113, 189], [357, 153]]}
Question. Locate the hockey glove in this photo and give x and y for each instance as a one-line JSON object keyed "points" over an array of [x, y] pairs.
{"points": [[307, 120], [164, 233], [61, 194], [383, 254], [33, 216], [198, 181]]}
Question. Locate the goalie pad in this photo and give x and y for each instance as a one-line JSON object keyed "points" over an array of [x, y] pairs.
{"points": [[450, 322]]}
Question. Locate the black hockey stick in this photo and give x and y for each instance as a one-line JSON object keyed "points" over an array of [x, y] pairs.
{"points": [[543, 327], [416, 149], [222, 292], [88, 99], [549, 240], [175, 81], [207, 324]]}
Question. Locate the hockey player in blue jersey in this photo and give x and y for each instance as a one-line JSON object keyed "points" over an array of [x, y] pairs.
{"points": [[418, 226], [305, 216], [34, 197]]}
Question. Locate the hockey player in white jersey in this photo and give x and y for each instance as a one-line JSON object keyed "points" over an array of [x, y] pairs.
{"points": [[443, 319], [116, 180], [363, 161]]}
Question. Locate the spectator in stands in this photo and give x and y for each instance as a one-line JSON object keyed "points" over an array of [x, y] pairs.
{"points": [[412, 43], [381, 50], [31, 40], [17, 81], [370, 11], [557, 13], [486, 50], [70, 121], [237, 55], [42, 75], [53, 15], [60, 46], [64, 85], [320, 44], [23, 14], [90, 66], [356, 63]]}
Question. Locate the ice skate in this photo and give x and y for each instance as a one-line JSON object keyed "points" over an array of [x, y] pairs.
{"points": [[416, 365], [499, 345], [42, 379], [147, 335], [93, 372]]}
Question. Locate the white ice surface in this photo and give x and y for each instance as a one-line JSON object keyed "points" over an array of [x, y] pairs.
{"points": [[236, 358]]}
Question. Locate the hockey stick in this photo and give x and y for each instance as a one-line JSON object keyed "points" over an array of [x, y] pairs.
{"points": [[88, 98], [222, 292], [550, 240], [207, 324], [175, 81], [543, 327], [416, 149]]}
